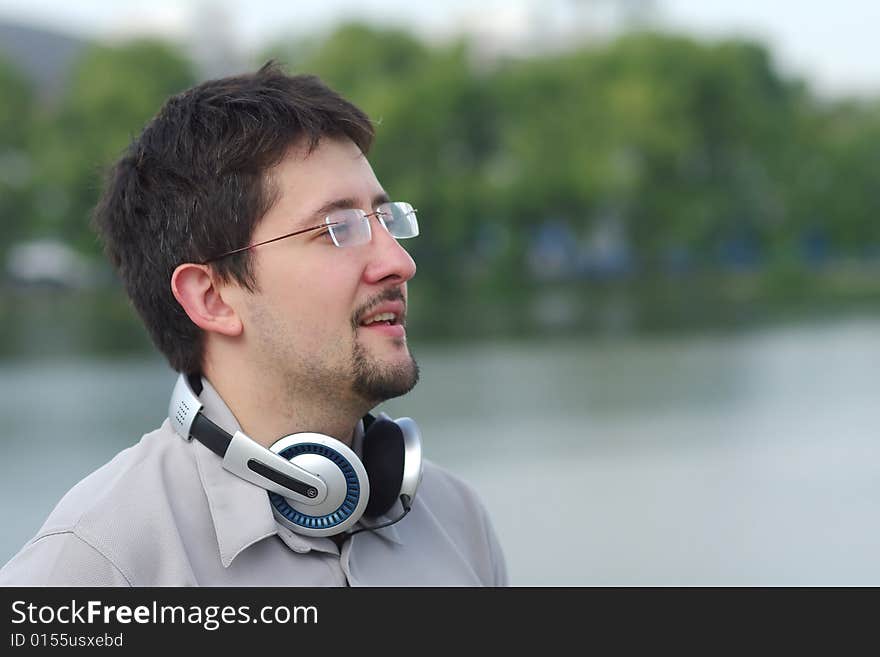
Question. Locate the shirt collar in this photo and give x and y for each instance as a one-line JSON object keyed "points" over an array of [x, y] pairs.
{"points": [[240, 510]]}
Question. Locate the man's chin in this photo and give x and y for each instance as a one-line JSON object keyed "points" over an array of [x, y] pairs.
{"points": [[377, 380]]}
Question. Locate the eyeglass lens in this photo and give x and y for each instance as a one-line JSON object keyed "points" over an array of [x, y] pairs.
{"points": [[352, 227]]}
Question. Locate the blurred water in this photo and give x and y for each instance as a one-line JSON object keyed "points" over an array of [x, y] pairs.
{"points": [[738, 459]]}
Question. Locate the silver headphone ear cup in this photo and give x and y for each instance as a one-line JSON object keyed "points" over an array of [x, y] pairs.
{"points": [[412, 462], [392, 457], [348, 487]]}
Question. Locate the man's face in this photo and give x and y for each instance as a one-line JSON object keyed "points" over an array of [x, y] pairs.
{"points": [[305, 327]]}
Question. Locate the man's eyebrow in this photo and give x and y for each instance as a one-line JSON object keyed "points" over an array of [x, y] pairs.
{"points": [[342, 204]]}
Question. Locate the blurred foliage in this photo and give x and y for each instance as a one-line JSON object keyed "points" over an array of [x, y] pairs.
{"points": [[700, 154], [16, 110], [111, 93]]}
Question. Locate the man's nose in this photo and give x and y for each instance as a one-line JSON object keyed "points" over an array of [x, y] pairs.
{"points": [[388, 259]]}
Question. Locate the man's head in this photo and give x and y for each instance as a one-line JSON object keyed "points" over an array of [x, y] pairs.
{"points": [[243, 160]]}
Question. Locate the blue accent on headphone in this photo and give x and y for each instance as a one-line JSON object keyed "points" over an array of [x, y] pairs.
{"points": [[345, 509]]}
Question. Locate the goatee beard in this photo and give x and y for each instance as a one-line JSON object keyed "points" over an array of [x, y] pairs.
{"points": [[376, 382]]}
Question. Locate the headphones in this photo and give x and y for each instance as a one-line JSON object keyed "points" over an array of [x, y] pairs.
{"points": [[317, 485]]}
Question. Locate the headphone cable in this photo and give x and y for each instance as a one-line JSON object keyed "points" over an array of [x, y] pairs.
{"points": [[405, 501]]}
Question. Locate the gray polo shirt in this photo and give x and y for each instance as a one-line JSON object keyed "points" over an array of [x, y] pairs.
{"points": [[165, 513]]}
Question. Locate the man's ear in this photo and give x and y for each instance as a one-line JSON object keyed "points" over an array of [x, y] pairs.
{"points": [[202, 300]]}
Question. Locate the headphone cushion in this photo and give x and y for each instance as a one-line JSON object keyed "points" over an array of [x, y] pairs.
{"points": [[383, 459]]}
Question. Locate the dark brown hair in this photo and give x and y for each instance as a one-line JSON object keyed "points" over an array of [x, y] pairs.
{"points": [[194, 184]]}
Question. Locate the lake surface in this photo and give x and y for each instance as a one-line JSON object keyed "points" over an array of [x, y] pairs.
{"points": [[734, 459]]}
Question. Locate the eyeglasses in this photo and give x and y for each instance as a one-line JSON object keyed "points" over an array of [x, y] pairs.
{"points": [[351, 227]]}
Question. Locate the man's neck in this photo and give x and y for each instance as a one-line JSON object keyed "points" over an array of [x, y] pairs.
{"points": [[266, 415]]}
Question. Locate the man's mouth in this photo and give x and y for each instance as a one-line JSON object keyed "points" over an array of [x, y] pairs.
{"points": [[388, 318], [382, 318]]}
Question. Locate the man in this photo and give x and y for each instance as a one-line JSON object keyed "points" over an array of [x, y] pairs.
{"points": [[261, 252]]}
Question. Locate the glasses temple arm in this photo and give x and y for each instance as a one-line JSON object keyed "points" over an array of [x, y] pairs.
{"points": [[274, 239]]}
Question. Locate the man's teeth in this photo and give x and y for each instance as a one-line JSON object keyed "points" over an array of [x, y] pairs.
{"points": [[381, 317]]}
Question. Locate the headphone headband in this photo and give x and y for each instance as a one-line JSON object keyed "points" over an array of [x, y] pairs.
{"points": [[183, 407], [241, 454]]}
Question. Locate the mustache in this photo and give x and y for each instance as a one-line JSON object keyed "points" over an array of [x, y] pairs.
{"points": [[391, 294]]}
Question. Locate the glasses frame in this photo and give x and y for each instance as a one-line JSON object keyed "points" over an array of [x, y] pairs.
{"points": [[327, 223]]}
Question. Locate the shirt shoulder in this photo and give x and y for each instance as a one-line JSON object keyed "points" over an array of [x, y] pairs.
{"points": [[130, 477], [460, 510], [438, 482], [61, 559], [108, 522]]}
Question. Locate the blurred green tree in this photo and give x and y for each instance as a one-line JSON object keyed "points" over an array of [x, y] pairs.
{"points": [[834, 188], [678, 138], [692, 147], [685, 145], [16, 161], [112, 93]]}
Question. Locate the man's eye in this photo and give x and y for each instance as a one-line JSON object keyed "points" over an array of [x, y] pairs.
{"points": [[325, 236]]}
